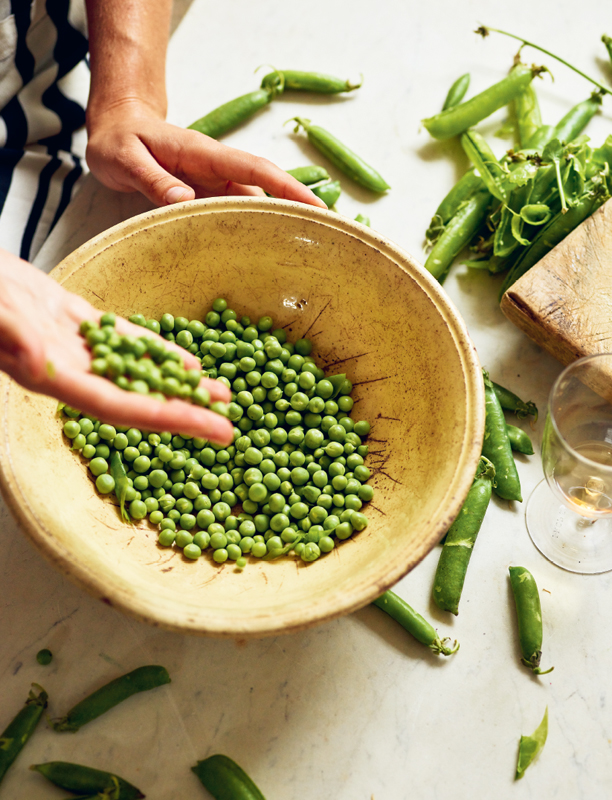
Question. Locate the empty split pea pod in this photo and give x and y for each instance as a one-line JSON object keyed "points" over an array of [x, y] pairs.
{"points": [[111, 694], [459, 118], [228, 116], [21, 727], [342, 157], [460, 540], [414, 623], [225, 780], [296, 81], [529, 617], [87, 781], [496, 446]]}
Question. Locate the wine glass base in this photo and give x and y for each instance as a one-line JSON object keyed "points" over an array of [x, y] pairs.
{"points": [[568, 540]]}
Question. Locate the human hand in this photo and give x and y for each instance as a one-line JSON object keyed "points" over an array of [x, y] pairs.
{"points": [[130, 149], [41, 348]]}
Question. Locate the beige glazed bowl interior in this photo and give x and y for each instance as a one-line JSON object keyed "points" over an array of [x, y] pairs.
{"points": [[371, 312]]}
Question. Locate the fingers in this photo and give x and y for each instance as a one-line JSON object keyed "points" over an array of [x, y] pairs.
{"points": [[241, 168], [102, 399], [128, 328]]}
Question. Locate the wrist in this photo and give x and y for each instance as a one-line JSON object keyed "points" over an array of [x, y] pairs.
{"points": [[107, 111]]}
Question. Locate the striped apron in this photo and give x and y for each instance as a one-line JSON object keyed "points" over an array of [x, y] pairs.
{"points": [[44, 80]]}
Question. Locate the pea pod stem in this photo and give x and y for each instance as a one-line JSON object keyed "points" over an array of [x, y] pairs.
{"points": [[484, 31], [225, 780], [460, 540], [414, 623], [111, 694], [529, 618], [18, 731]]}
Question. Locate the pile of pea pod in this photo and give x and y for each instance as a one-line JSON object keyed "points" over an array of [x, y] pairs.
{"points": [[296, 464], [511, 211]]}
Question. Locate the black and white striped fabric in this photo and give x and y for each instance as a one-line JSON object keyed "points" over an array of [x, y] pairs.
{"points": [[44, 80]]}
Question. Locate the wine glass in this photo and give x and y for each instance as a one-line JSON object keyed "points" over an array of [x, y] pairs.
{"points": [[569, 514]]}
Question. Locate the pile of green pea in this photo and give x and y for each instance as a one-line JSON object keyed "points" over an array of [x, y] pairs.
{"points": [[142, 364], [296, 464]]}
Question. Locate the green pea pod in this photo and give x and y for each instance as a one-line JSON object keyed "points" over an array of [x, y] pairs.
{"points": [[364, 220], [342, 157], [459, 194], [111, 694], [529, 617], [496, 446], [122, 485], [228, 116], [541, 137], [484, 160], [457, 234], [577, 118], [512, 402], [554, 232], [78, 778], [530, 746], [308, 82], [21, 727], [457, 91], [328, 192], [414, 623], [460, 540], [607, 40], [528, 116], [459, 118], [225, 780], [519, 440], [309, 175]]}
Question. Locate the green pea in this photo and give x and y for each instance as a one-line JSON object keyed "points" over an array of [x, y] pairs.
{"points": [[220, 555], [138, 509]]}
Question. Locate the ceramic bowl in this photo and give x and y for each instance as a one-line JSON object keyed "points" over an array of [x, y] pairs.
{"points": [[371, 310]]}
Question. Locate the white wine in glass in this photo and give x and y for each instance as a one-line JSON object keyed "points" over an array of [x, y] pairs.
{"points": [[569, 514]]}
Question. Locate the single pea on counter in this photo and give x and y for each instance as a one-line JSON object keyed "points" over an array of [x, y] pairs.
{"points": [[292, 483], [44, 657]]}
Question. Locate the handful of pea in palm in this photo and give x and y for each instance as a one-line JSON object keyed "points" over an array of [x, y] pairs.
{"points": [[296, 465]]}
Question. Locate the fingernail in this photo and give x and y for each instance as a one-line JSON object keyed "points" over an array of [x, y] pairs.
{"points": [[176, 194]]}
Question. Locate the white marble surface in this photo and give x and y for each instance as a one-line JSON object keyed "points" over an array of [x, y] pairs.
{"points": [[355, 709]]}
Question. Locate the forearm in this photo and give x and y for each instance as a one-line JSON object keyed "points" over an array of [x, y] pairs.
{"points": [[127, 44]]}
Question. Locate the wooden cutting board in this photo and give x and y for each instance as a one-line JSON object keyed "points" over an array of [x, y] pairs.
{"points": [[564, 302]]}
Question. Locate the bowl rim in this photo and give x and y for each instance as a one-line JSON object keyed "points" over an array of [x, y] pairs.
{"points": [[265, 625]]}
